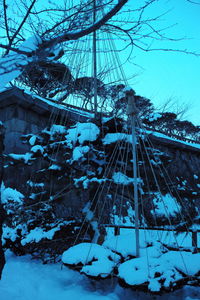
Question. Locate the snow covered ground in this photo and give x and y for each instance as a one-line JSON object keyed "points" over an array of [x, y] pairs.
{"points": [[25, 279]]}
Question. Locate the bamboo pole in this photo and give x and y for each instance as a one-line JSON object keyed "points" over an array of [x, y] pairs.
{"points": [[132, 111], [95, 60]]}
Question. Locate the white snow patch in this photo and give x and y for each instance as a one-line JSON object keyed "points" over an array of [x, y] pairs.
{"points": [[162, 135], [32, 140], [54, 167], [86, 181], [79, 152], [38, 233], [57, 129], [166, 205], [124, 244], [9, 195], [23, 157], [82, 132], [37, 148], [120, 178], [35, 184], [115, 137]]}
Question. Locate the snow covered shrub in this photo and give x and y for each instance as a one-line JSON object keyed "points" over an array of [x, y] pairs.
{"points": [[77, 177], [94, 260]]}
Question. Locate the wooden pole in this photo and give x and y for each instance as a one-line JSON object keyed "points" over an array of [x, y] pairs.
{"points": [[131, 111], [95, 60]]}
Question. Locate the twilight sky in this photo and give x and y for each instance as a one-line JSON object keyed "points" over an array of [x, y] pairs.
{"points": [[170, 74]]}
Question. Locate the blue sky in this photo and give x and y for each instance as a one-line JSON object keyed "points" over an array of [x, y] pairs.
{"points": [[167, 75], [164, 75]]}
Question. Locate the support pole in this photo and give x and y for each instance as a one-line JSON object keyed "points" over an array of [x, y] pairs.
{"points": [[95, 60], [132, 111]]}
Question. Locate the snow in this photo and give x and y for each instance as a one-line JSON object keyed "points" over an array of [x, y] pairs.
{"points": [[37, 234], [9, 233], [85, 181], [89, 215], [154, 116], [23, 157], [78, 112], [54, 167], [165, 205], [120, 178], [57, 129], [186, 262], [124, 244], [115, 137], [9, 195], [97, 260], [134, 271], [164, 268], [79, 152], [37, 148], [32, 140], [25, 279], [82, 132], [102, 268], [123, 220], [35, 184], [162, 135], [85, 253]]}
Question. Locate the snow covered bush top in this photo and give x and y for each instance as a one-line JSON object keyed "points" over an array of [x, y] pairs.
{"points": [[97, 260], [82, 132], [11, 198]]}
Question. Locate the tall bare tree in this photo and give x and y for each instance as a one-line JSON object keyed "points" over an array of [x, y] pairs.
{"points": [[54, 24]]}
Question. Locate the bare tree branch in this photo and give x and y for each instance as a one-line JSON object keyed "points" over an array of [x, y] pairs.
{"points": [[67, 36], [76, 35], [21, 25], [6, 19]]}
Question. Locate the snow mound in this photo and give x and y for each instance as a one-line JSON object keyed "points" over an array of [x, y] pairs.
{"points": [[9, 195], [11, 199], [97, 260], [82, 132], [185, 262], [159, 272]]}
